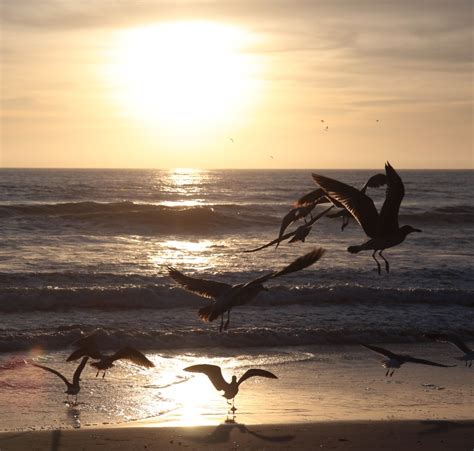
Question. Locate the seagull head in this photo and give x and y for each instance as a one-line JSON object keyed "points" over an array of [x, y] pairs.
{"points": [[406, 229]]}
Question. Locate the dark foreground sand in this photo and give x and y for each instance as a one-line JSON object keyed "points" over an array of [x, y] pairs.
{"points": [[376, 435]]}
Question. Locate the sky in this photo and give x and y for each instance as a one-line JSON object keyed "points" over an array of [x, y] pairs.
{"points": [[236, 84]]}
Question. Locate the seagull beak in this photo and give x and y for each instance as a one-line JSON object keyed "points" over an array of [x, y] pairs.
{"points": [[265, 289], [417, 230]]}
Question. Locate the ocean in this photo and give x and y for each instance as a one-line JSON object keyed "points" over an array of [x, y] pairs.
{"points": [[88, 249], [83, 249]]}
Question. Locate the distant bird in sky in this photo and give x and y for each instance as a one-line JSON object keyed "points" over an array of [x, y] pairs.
{"points": [[74, 387], [90, 348], [397, 360], [468, 356], [225, 296], [326, 129], [231, 140], [214, 373], [322, 120], [271, 156], [382, 229]]}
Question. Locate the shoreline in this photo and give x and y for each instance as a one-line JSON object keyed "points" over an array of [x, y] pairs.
{"points": [[359, 435]]}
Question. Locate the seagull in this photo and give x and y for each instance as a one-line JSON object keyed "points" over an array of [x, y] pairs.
{"points": [[90, 348], [468, 356], [214, 373], [382, 228], [74, 387], [397, 360], [305, 204], [225, 296]]}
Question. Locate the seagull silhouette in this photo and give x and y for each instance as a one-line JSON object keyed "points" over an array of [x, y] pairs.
{"points": [[90, 348], [214, 373], [468, 356], [397, 360], [225, 296], [382, 229], [74, 387]]}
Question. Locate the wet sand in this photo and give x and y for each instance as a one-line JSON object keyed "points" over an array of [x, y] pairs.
{"points": [[379, 435]]}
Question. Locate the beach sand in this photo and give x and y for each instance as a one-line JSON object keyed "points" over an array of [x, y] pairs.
{"points": [[376, 435]]}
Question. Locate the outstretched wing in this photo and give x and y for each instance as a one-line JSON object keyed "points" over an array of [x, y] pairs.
{"points": [[256, 372], [213, 372], [90, 351], [296, 265], [408, 358], [290, 234], [453, 339], [310, 199], [57, 373], [376, 181], [360, 206], [134, 356], [206, 288], [388, 218], [292, 216], [77, 373], [382, 351], [89, 340]]}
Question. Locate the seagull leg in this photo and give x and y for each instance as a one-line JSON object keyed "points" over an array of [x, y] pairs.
{"points": [[378, 264], [228, 320], [97, 374], [103, 375], [387, 266], [388, 371], [391, 374], [470, 364], [222, 323], [345, 223]]}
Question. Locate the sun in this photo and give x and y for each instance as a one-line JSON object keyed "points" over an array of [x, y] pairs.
{"points": [[185, 75]]}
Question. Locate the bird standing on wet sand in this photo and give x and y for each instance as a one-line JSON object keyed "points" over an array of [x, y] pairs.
{"points": [[214, 373], [225, 296], [397, 360], [74, 387], [382, 229], [89, 347]]}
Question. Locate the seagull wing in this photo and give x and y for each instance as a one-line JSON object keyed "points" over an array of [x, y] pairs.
{"points": [[206, 288], [408, 358], [456, 341], [88, 340], [77, 373], [57, 373], [292, 216], [310, 198], [213, 372], [388, 218], [360, 206], [256, 372], [134, 356], [90, 351], [382, 351], [376, 181]]}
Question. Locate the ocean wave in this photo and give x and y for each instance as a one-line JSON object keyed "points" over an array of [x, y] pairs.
{"points": [[159, 297], [193, 338], [142, 218], [447, 214]]}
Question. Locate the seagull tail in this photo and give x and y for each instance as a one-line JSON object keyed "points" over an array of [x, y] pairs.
{"points": [[355, 249], [207, 313]]}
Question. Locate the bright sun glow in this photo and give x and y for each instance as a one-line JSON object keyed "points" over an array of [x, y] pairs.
{"points": [[185, 75]]}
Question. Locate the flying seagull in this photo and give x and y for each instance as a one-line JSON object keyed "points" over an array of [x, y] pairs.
{"points": [[298, 234], [382, 228], [90, 348], [214, 373], [305, 204], [224, 296], [468, 356], [74, 387], [397, 360]]}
